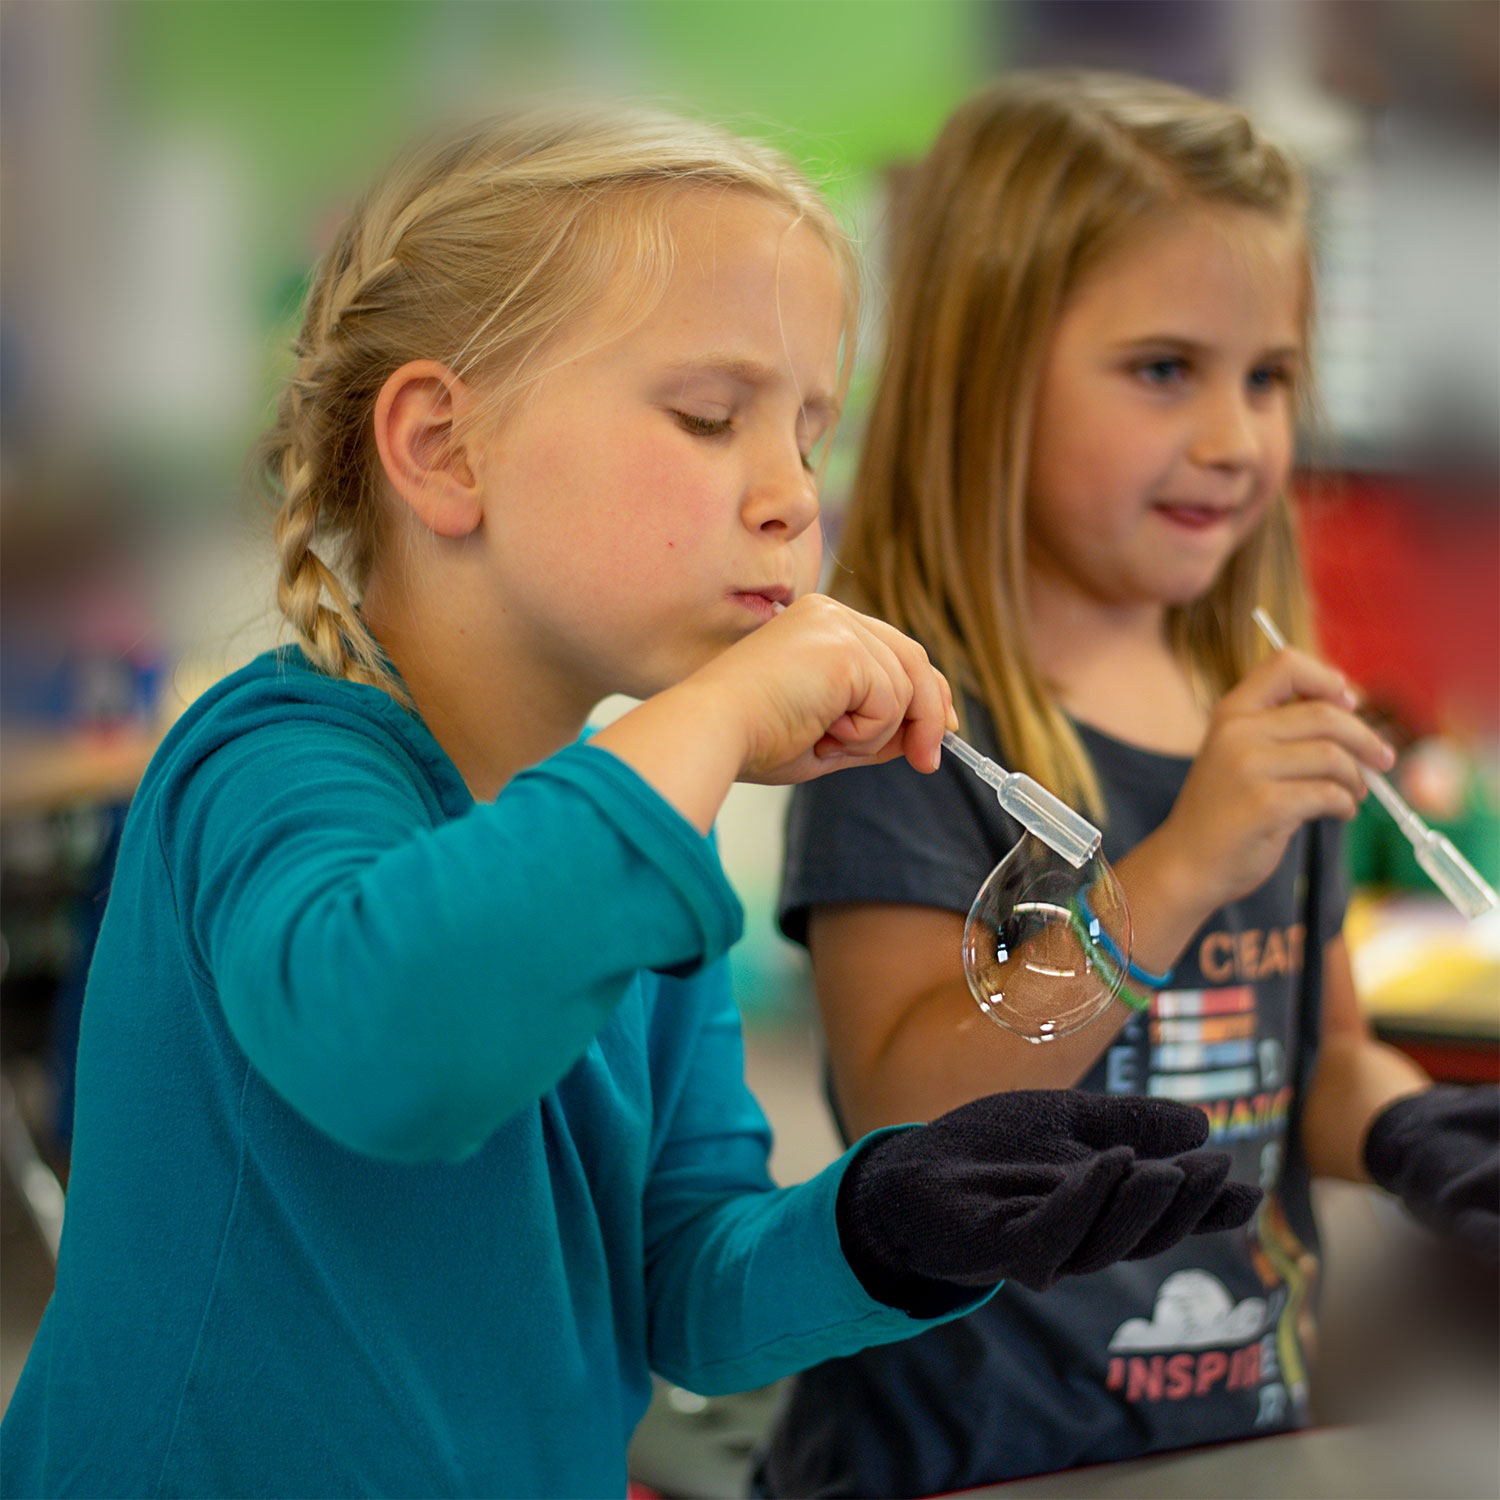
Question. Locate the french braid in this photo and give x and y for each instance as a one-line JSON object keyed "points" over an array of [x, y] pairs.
{"points": [[323, 478]]}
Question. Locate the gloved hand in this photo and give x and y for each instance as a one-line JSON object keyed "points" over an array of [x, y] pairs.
{"points": [[1029, 1186], [1439, 1152]]}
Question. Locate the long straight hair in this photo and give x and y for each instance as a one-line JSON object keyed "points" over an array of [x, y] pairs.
{"points": [[1030, 185]]}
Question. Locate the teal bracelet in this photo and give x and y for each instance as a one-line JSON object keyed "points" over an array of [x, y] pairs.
{"points": [[1107, 943], [1086, 940]]}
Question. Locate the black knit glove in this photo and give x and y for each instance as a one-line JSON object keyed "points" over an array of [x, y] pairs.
{"points": [[1029, 1186], [1439, 1152]]}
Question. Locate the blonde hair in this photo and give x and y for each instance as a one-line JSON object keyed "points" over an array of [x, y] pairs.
{"points": [[1031, 184], [477, 249]]}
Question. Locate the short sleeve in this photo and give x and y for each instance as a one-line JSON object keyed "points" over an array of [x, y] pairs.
{"points": [[890, 833]]}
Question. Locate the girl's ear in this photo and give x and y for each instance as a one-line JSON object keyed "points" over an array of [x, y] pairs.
{"points": [[419, 421]]}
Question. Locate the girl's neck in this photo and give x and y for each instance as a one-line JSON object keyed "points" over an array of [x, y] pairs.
{"points": [[493, 712], [1111, 666]]}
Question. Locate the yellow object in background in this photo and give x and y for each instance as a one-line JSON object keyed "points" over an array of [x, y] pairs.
{"points": [[1416, 961]]}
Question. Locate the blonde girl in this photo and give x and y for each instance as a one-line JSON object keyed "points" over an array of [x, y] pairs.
{"points": [[411, 1130], [1074, 492]]}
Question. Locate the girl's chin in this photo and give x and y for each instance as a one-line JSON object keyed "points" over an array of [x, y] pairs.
{"points": [[1184, 592], [1184, 579], [1162, 588]]}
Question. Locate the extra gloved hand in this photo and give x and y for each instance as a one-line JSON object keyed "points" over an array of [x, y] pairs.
{"points": [[1439, 1152], [1029, 1186]]}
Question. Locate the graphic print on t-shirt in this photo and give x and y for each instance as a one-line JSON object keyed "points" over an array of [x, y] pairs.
{"points": [[1202, 1340], [1203, 1044], [1197, 1341]]}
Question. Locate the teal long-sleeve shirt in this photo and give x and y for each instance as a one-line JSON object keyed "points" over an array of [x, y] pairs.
{"points": [[411, 1133]]}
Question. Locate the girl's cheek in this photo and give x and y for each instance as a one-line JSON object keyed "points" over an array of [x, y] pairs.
{"points": [[810, 558], [1279, 469]]}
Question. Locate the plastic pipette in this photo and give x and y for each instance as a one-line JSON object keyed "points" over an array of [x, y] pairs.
{"points": [[1451, 873], [1032, 805]]}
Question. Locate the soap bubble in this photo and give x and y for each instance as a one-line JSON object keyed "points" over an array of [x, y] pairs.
{"points": [[1046, 945]]}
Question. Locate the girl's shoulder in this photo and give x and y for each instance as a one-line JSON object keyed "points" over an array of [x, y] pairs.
{"points": [[284, 677], [280, 697]]}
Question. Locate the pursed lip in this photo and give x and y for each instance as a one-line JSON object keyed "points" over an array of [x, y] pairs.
{"points": [[763, 602]]}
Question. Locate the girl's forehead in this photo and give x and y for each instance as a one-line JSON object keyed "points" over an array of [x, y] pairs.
{"points": [[1225, 255], [738, 238], [736, 262]]}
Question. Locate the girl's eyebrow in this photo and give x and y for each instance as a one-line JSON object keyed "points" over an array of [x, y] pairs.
{"points": [[753, 373], [1194, 346]]}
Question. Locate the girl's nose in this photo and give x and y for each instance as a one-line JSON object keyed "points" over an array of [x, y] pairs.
{"points": [[1225, 437], [782, 495]]}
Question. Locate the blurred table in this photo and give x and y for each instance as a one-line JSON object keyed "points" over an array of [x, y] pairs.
{"points": [[1453, 1462], [1430, 982]]}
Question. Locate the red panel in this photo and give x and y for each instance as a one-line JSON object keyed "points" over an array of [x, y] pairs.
{"points": [[1405, 579], [1445, 1061]]}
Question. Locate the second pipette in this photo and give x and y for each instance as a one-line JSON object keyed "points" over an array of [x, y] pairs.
{"points": [[1451, 873]]}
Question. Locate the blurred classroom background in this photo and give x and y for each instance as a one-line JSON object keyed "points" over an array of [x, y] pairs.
{"points": [[170, 169]]}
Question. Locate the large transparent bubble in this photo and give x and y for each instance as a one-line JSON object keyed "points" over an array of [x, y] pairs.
{"points": [[1046, 945]]}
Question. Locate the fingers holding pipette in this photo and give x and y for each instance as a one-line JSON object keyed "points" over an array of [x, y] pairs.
{"points": [[822, 687], [1290, 675], [816, 688], [927, 715], [1453, 875], [1283, 747], [1311, 718]]}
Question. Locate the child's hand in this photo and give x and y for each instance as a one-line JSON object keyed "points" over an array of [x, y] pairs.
{"points": [[1284, 747], [821, 687], [815, 688], [1030, 1186], [1439, 1152]]}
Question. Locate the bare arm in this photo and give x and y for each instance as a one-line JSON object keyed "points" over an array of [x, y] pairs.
{"points": [[905, 1039], [1356, 1077]]}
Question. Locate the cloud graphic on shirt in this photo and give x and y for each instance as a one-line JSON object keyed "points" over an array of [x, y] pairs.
{"points": [[1193, 1310]]}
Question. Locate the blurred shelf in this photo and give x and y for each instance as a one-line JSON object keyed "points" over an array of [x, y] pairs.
{"points": [[48, 772]]}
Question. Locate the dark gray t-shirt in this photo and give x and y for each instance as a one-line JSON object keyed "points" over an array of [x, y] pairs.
{"points": [[1203, 1343]]}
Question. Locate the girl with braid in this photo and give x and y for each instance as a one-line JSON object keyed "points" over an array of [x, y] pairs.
{"points": [[412, 1132]]}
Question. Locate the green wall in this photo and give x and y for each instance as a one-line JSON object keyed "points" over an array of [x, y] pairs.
{"points": [[311, 94]]}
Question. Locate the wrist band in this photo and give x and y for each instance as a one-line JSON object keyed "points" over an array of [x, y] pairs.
{"points": [[1107, 943], [1112, 971]]}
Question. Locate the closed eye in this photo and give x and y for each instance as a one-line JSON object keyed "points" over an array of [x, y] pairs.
{"points": [[702, 426]]}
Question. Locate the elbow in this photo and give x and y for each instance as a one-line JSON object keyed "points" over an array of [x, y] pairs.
{"points": [[705, 1380], [381, 1089], [392, 1120]]}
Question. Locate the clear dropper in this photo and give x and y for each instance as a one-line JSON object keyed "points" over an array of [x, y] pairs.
{"points": [[1032, 805], [1451, 873]]}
